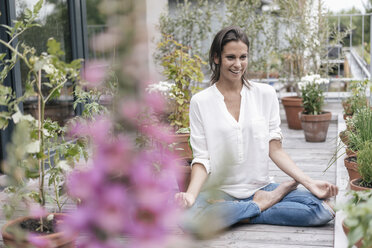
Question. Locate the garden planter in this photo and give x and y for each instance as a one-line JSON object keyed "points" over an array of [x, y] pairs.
{"points": [[343, 137], [315, 126], [56, 240], [354, 185], [185, 174], [346, 231], [181, 145], [352, 167], [350, 153], [293, 106]]}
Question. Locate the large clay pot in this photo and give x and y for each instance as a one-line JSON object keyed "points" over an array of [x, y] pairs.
{"points": [[352, 167], [315, 126], [181, 145], [293, 106], [354, 185], [56, 240]]}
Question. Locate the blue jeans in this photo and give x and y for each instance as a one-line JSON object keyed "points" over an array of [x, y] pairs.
{"points": [[298, 208]]}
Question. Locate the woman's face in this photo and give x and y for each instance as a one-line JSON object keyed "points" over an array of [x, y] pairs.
{"points": [[234, 61]]}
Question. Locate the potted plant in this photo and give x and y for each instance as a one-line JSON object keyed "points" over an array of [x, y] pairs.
{"points": [[307, 30], [357, 100], [364, 161], [356, 224], [184, 72], [314, 120], [33, 141]]}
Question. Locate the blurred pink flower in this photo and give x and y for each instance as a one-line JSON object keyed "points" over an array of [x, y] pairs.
{"points": [[94, 72], [37, 241], [37, 211]]}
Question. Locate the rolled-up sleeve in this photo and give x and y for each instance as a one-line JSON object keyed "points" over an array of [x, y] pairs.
{"points": [[274, 120], [197, 137]]}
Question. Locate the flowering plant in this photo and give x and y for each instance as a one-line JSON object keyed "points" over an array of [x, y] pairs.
{"points": [[312, 88]]}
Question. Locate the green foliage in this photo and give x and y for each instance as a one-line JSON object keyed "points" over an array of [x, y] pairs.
{"points": [[364, 160], [358, 99], [361, 130], [312, 98], [182, 69], [359, 218], [33, 141], [189, 25]]}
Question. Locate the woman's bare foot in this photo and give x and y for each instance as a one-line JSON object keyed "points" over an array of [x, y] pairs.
{"points": [[266, 199]]}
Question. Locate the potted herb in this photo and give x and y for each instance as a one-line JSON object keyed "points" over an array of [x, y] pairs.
{"points": [[358, 217], [314, 120], [364, 161], [33, 141], [357, 100]]}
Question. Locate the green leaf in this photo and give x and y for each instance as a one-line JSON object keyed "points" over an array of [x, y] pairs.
{"points": [[2, 56], [54, 47], [38, 6]]}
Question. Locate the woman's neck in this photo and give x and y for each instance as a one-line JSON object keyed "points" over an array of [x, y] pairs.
{"points": [[225, 86]]}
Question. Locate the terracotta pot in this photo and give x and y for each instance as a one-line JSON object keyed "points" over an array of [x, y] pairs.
{"points": [[352, 168], [315, 126], [181, 145], [347, 116], [185, 174], [346, 231], [350, 153], [343, 137], [354, 185], [55, 239], [293, 106]]}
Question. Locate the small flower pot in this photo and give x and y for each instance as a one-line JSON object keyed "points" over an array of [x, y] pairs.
{"points": [[315, 126], [350, 153], [355, 185], [293, 106], [55, 240], [352, 167]]}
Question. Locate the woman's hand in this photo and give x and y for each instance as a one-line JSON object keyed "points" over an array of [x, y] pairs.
{"points": [[322, 189], [184, 199]]}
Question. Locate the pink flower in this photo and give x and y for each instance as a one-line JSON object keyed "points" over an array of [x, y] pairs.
{"points": [[37, 211], [82, 184], [94, 72], [37, 241]]}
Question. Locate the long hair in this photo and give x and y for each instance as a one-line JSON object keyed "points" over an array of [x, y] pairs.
{"points": [[225, 35]]}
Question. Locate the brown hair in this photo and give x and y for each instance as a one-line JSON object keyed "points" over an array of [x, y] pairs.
{"points": [[225, 35]]}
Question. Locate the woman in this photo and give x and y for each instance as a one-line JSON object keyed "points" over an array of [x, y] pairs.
{"points": [[235, 129]]}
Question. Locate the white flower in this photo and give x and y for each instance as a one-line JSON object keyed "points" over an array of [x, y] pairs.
{"points": [[310, 79], [64, 166], [162, 87], [49, 69]]}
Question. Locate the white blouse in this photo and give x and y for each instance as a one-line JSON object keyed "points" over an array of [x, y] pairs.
{"points": [[235, 154]]}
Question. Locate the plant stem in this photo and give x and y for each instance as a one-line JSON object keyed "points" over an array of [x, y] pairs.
{"points": [[41, 162], [56, 88], [16, 52]]}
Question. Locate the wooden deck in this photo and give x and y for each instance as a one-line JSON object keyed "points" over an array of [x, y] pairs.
{"points": [[312, 158]]}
